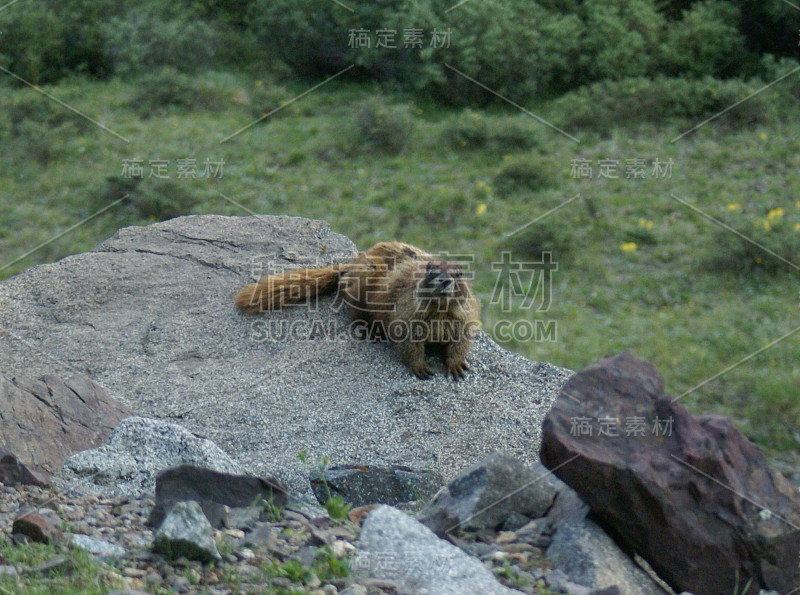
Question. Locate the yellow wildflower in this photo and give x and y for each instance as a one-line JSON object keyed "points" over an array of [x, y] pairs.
{"points": [[775, 215], [766, 224], [796, 227], [480, 184], [480, 209], [628, 247], [763, 136], [734, 206]]}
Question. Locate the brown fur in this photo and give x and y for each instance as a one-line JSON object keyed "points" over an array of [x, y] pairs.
{"points": [[392, 287]]}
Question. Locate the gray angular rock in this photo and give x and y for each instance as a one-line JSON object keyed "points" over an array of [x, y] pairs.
{"points": [[149, 315], [486, 494], [135, 452], [186, 532], [219, 494], [590, 558], [394, 546]]}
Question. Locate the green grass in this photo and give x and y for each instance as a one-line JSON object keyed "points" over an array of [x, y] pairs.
{"points": [[663, 299], [83, 577]]}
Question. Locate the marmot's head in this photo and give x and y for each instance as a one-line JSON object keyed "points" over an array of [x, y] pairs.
{"points": [[442, 279]]}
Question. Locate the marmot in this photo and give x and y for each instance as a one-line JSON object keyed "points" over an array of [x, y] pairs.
{"points": [[399, 291]]}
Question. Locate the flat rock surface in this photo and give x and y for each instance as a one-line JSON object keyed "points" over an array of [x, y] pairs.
{"points": [[149, 315]]}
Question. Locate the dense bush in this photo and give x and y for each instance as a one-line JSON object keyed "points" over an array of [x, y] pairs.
{"points": [[706, 41], [142, 40], [151, 199], [377, 126], [606, 104], [472, 130], [524, 173], [165, 88], [517, 48]]}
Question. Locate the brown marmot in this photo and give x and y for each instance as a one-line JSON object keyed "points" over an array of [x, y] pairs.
{"points": [[398, 291]]}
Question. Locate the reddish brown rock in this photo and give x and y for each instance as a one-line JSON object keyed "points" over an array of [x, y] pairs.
{"points": [[36, 528], [693, 497], [43, 422]]}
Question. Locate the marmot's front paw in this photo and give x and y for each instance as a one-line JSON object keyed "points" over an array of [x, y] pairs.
{"points": [[457, 370], [422, 371]]}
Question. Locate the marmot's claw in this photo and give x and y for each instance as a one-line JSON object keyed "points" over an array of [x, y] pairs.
{"points": [[457, 370], [423, 372]]}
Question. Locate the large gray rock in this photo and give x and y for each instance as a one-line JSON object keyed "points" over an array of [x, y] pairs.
{"points": [[394, 546], [149, 315], [135, 452]]}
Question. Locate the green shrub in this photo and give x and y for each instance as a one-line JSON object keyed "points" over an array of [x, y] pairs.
{"points": [[144, 40], [524, 173], [538, 238], [267, 97], [471, 130], [622, 38], [40, 125], [158, 91], [706, 41], [777, 230], [604, 105], [148, 198], [377, 126]]}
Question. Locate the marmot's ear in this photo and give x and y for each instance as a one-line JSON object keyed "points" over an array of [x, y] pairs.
{"points": [[431, 269]]}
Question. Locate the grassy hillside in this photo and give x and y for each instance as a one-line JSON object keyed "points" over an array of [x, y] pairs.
{"points": [[637, 268]]}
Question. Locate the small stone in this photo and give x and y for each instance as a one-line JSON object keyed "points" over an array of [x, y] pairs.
{"points": [[499, 557], [19, 539], [37, 528], [98, 547], [134, 572], [329, 589], [153, 578], [354, 590], [8, 571], [520, 558], [517, 548], [245, 554], [357, 515], [505, 537], [234, 533], [341, 548]]}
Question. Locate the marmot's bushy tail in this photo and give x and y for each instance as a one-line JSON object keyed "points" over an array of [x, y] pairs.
{"points": [[291, 287]]}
